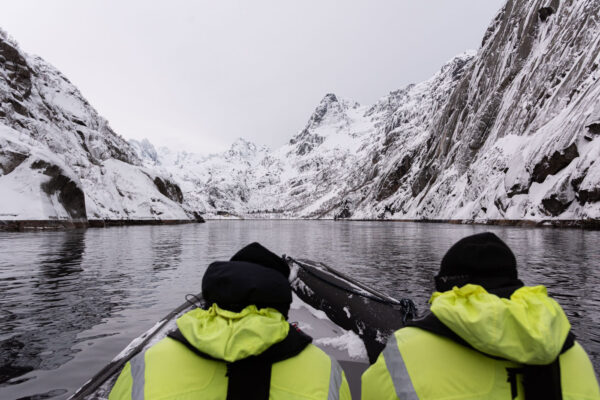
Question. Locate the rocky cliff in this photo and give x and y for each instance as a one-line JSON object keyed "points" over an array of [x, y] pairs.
{"points": [[60, 160]]}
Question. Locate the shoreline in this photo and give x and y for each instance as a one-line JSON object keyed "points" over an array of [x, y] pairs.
{"points": [[587, 224], [24, 225], [39, 225]]}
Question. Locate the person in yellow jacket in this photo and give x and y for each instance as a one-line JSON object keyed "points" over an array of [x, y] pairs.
{"points": [[239, 346], [487, 336]]}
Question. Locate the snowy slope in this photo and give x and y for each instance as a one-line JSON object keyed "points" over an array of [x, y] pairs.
{"points": [[60, 160], [511, 142], [509, 132]]}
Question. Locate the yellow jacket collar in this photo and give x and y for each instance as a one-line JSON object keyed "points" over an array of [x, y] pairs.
{"points": [[528, 328], [232, 336]]}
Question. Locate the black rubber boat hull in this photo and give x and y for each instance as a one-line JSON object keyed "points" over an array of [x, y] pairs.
{"points": [[371, 315]]}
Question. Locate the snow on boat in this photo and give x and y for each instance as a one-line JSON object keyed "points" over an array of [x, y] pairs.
{"points": [[348, 320]]}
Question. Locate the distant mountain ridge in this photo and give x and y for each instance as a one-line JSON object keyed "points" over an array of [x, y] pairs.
{"points": [[510, 132]]}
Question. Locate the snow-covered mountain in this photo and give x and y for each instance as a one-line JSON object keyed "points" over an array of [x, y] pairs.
{"points": [[60, 160], [509, 132]]}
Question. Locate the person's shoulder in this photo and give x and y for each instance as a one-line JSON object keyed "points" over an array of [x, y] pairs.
{"points": [[170, 350], [412, 333], [306, 375], [576, 357], [314, 354], [578, 377], [167, 344], [315, 360]]}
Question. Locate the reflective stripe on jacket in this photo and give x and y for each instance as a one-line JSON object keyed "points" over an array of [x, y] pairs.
{"points": [[170, 370], [529, 327]]}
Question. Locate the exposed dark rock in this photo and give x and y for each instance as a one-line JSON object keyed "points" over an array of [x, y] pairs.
{"points": [[501, 203], [9, 160], [387, 210], [594, 128], [19, 108], [83, 143], [198, 217], [518, 188], [576, 182], [304, 148], [40, 164], [555, 204], [117, 153], [344, 212], [550, 165], [485, 123], [19, 73], [545, 12], [392, 181], [559, 198], [421, 181], [588, 195], [322, 109], [169, 189], [307, 142], [459, 68], [295, 183], [78, 121], [307, 139], [69, 194], [297, 192], [376, 157]]}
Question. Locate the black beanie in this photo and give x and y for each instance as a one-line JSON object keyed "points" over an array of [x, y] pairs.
{"points": [[481, 259], [258, 254], [234, 285]]}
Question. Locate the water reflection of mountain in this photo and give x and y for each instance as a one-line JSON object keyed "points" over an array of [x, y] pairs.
{"points": [[166, 249], [59, 300]]}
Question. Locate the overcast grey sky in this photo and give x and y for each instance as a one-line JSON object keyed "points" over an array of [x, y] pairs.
{"points": [[195, 75]]}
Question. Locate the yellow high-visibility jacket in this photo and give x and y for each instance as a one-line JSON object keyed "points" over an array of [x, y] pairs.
{"points": [[530, 328], [169, 370]]}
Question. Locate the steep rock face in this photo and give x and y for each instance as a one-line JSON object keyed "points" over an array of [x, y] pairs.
{"points": [[505, 141], [527, 95], [43, 116]]}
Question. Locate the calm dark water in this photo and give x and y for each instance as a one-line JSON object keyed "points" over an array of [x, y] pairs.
{"points": [[70, 301]]}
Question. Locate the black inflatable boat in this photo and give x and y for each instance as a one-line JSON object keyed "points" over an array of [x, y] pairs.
{"points": [[348, 320]]}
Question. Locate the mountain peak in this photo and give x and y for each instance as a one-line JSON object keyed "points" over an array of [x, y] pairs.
{"points": [[242, 148], [145, 150], [329, 98], [330, 107]]}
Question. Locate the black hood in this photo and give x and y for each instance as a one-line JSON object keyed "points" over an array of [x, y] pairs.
{"points": [[234, 285]]}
